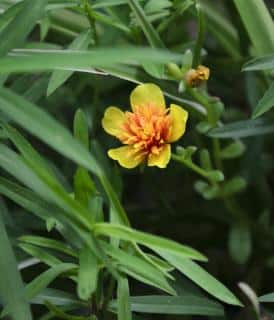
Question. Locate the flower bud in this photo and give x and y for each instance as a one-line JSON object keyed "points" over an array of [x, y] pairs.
{"points": [[195, 77]]}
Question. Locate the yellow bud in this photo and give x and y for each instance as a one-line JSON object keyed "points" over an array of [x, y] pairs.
{"points": [[195, 77], [203, 72]]}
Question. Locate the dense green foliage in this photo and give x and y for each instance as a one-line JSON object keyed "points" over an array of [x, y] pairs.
{"points": [[83, 238]]}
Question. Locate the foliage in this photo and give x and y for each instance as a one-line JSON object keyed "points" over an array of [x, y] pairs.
{"points": [[92, 240]]}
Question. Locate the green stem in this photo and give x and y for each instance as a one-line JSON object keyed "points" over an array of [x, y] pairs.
{"points": [[211, 119], [230, 203], [200, 37], [217, 154], [200, 171], [91, 20], [204, 102], [108, 297]]}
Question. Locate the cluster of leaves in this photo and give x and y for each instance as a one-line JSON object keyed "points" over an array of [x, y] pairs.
{"points": [[61, 212]]}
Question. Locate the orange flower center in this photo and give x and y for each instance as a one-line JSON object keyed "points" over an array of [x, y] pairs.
{"points": [[147, 129]]}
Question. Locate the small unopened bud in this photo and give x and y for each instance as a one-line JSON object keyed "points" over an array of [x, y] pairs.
{"points": [[195, 77], [203, 73], [174, 71]]}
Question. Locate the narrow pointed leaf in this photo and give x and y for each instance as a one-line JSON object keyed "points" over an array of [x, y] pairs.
{"points": [[151, 241], [59, 77], [57, 297], [186, 304], [151, 34], [266, 103], [87, 274], [124, 312], [262, 63], [45, 278], [52, 133], [48, 243], [47, 60], [243, 129], [258, 24], [14, 34], [267, 298], [201, 277], [138, 268], [12, 290]]}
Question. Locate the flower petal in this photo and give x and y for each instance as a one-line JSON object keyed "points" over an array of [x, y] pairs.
{"points": [[146, 94], [113, 120], [178, 117], [162, 159], [127, 156]]}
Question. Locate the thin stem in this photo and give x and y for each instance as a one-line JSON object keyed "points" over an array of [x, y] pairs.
{"points": [[108, 297], [204, 102], [217, 154], [91, 19], [200, 171], [200, 37], [230, 203]]}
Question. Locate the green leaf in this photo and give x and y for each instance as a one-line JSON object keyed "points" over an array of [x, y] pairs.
{"points": [[87, 274], [36, 205], [155, 70], [266, 103], [232, 186], [258, 23], [37, 178], [153, 6], [84, 188], [239, 243], [11, 285], [49, 243], [215, 175], [59, 4], [80, 128], [47, 60], [41, 254], [243, 129], [60, 314], [59, 77], [151, 241], [14, 34], [185, 304], [262, 63], [44, 27], [151, 34], [233, 150], [44, 279], [27, 151], [267, 297], [205, 160], [201, 277], [138, 268], [57, 297], [124, 312], [8, 15], [55, 135], [221, 28], [108, 3], [74, 234]]}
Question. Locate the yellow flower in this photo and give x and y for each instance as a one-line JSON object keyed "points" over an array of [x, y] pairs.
{"points": [[147, 131]]}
